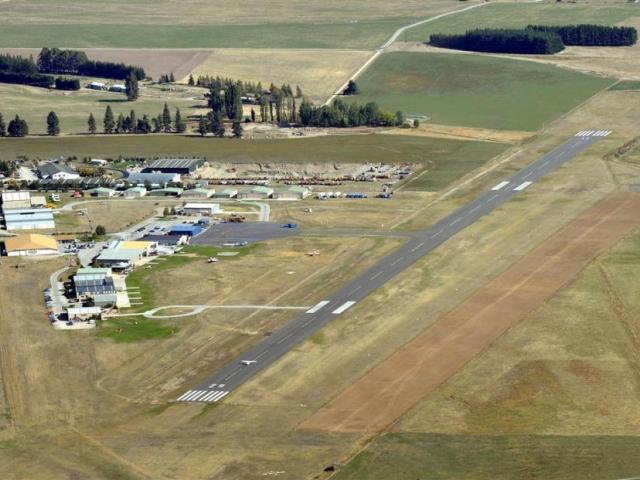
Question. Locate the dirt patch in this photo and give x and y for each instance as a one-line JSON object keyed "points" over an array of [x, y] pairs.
{"points": [[398, 383], [462, 133]]}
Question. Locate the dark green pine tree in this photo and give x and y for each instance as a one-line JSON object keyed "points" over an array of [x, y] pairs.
{"points": [[191, 80], [253, 115], [172, 78], [166, 119], [18, 127], [217, 124], [133, 122], [144, 126], [120, 124], [91, 124], [3, 127], [109, 123], [237, 130], [181, 127], [53, 124], [131, 85], [202, 126]]}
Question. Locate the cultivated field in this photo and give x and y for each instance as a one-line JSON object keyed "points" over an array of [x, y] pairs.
{"points": [[319, 73], [476, 91], [509, 15]]}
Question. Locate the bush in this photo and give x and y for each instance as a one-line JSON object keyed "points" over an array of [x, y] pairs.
{"points": [[67, 83]]}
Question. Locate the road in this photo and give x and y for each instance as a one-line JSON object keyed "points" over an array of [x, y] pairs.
{"points": [[251, 362]]}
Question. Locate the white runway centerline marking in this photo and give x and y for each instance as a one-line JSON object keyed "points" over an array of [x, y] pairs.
{"points": [[396, 261], [318, 306], [376, 275], [500, 185], [342, 308], [522, 186], [283, 339], [417, 247]]}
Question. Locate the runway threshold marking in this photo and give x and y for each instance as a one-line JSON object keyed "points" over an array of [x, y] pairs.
{"points": [[342, 308], [500, 185], [522, 186], [318, 306]]}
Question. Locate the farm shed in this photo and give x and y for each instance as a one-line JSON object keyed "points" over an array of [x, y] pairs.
{"points": [[101, 192], [135, 192], [199, 193], [155, 180], [29, 219], [183, 166], [259, 192], [119, 259], [226, 193], [201, 208], [18, 199], [30, 244], [292, 193], [166, 192], [185, 229]]}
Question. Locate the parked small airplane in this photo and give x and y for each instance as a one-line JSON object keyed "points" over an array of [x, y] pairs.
{"points": [[313, 253], [212, 260], [248, 362]]}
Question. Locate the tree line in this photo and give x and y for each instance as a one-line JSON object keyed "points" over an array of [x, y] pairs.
{"points": [[18, 127], [23, 71], [536, 39], [55, 60], [340, 114], [591, 35], [501, 41], [164, 122]]}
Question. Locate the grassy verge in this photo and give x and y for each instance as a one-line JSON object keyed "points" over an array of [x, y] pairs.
{"points": [[126, 330], [476, 90], [626, 85], [340, 148], [422, 456]]}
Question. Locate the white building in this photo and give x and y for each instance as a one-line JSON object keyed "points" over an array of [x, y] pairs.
{"points": [[135, 192], [56, 171], [29, 219], [16, 200], [201, 208]]}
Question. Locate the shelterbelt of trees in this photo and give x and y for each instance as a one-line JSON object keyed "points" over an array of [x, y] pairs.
{"points": [[537, 39], [26, 71]]}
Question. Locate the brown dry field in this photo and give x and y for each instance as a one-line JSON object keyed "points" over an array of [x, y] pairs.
{"points": [[318, 72], [397, 384]]}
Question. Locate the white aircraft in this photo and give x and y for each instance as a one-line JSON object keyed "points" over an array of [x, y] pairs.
{"points": [[248, 362], [212, 260]]}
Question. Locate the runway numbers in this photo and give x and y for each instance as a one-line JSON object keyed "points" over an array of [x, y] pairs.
{"points": [[342, 308], [206, 396]]}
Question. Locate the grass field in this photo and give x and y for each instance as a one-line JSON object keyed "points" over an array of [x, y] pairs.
{"points": [[73, 109], [520, 15], [345, 149], [475, 91], [626, 85], [443, 457]]}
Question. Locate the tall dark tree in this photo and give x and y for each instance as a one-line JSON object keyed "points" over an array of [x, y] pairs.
{"points": [[91, 124], [202, 126], [108, 123], [298, 91], [157, 124], [352, 88], [120, 124], [253, 115], [144, 126], [237, 130], [18, 127], [3, 127], [133, 122], [181, 127], [191, 81], [166, 119], [217, 124], [172, 78], [53, 124], [131, 85]]}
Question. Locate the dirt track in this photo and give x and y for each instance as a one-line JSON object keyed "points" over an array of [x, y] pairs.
{"points": [[399, 382]]}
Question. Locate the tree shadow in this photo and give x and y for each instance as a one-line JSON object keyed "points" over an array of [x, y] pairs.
{"points": [[113, 100]]}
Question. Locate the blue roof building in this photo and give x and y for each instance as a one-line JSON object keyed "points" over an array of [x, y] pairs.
{"points": [[185, 229]]}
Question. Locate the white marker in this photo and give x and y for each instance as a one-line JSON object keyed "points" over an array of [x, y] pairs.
{"points": [[342, 308], [500, 185], [318, 306], [522, 186]]}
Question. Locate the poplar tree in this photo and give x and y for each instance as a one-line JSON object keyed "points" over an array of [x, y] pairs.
{"points": [[166, 119], [202, 126], [181, 127], [3, 127], [131, 85]]}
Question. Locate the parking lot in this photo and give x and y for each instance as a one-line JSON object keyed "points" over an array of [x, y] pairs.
{"points": [[249, 232]]}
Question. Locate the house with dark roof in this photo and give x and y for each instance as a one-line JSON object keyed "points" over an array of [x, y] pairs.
{"points": [[57, 171]]}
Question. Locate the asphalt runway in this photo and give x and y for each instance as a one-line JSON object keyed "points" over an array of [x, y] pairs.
{"points": [[251, 362], [250, 232]]}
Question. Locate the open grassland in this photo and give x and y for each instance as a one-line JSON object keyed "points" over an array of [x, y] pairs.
{"points": [[476, 91], [73, 108], [319, 73], [503, 15], [339, 148], [442, 457], [214, 12]]}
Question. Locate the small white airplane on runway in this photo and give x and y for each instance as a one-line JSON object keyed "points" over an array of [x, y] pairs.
{"points": [[248, 362]]}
